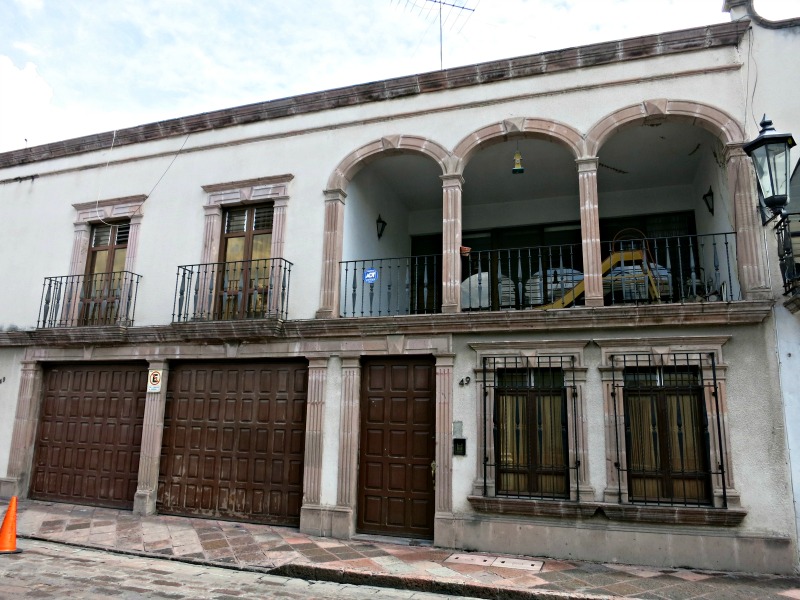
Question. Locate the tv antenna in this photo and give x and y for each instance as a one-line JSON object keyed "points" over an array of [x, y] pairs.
{"points": [[446, 10]]}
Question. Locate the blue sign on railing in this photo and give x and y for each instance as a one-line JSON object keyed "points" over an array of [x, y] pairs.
{"points": [[370, 275]]}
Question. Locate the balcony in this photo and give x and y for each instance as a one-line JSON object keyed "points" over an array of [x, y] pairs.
{"points": [[635, 270], [89, 300], [251, 289], [391, 286]]}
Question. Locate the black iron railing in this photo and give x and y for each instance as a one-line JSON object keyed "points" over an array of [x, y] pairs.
{"points": [[688, 268], [537, 277], [391, 286], [669, 438], [87, 300], [250, 289], [788, 233], [529, 409]]}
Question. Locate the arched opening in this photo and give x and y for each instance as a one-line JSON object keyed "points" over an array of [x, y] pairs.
{"points": [[521, 231], [399, 272], [666, 215]]}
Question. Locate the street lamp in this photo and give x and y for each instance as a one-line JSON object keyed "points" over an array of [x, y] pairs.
{"points": [[770, 155]]}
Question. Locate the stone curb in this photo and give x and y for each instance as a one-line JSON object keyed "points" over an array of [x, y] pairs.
{"points": [[316, 573]]}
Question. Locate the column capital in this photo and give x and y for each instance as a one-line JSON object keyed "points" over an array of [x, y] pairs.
{"points": [[335, 195], [318, 362], [452, 180], [735, 151], [587, 164], [212, 210], [158, 364]]}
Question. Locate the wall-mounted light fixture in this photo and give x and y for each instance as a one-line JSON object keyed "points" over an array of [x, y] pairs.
{"points": [[708, 198], [770, 154], [381, 225]]}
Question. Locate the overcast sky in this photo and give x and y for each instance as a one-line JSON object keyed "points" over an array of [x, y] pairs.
{"points": [[75, 67]]}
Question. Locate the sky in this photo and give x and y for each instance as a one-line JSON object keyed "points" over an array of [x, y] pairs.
{"points": [[75, 67]]}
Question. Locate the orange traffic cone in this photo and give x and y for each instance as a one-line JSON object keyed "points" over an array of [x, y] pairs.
{"points": [[8, 533]]}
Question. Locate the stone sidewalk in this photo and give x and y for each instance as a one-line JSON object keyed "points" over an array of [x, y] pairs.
{"points": [[379, 561]]}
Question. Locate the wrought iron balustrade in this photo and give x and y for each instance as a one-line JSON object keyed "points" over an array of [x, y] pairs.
{"points": [[391, 286], [517, 278], [89, 300], [788, 233], [250, 289], [687, 268]]}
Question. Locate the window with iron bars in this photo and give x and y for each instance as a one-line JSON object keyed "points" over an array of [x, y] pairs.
{"points": [[664, 452], [529, 403]]}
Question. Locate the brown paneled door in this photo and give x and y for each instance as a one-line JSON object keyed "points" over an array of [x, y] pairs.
{"points": [[90, 434], [397, 447], [234, 441]]}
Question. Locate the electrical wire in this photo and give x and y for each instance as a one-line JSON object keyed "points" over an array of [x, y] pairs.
{"points": [[169, 166], [102, 178]]}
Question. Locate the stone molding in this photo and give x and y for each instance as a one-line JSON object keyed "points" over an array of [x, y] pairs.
{"points": [[269, 331], [274, 188], [671, 515], [91, 213], [388, 145], [518, 128], [710, 118], [613, 52]]}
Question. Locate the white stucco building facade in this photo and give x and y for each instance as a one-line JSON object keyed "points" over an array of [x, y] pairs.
{"points": [[363, 322]]}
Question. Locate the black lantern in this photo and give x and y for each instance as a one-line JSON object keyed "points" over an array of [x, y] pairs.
{"points": [[381, 225], [770, 154]]}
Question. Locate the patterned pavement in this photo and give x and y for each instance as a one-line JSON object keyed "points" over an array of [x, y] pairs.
{"points": [[379, 561]]}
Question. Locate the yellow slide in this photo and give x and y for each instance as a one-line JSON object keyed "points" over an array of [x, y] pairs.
{"points": [[624, 256]]}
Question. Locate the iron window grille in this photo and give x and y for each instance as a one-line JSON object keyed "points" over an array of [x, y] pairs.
{"points": [[670, 418], [529, 412]]}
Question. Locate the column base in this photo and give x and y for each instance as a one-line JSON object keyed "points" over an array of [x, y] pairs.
{"points": [[9, 487], [593, 302], [144, 502]]}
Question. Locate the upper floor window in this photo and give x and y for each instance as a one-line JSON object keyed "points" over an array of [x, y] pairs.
{"points": [[247, 233], [109, 248], [666, 434], [247, 273]]}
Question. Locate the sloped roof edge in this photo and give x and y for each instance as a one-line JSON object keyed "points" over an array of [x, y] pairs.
{"points": [[699, 38]]}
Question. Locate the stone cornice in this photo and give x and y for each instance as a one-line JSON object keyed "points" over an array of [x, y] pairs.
{"points": [[673, 42], [582, 319]]}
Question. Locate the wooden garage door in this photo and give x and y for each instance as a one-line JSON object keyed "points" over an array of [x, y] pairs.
{"points": [[90, 434], [234, 437], [396, 494]]}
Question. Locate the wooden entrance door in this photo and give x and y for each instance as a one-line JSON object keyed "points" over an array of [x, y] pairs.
{"points": [[90, 434], [396, 485], [234, 441]]}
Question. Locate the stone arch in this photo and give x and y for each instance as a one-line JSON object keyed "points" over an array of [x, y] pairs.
{"points": [[544, 129], [714, 120], [386, 146]]}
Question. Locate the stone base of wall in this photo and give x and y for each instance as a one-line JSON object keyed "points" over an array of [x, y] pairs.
{"points": [[665, 547], [316, 520], [8, 487]]}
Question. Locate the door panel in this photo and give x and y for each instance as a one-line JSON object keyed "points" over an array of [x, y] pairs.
{"points": [[90, 434], [234, 436], [396, 492]]}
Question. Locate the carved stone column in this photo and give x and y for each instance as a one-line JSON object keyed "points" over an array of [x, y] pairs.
{"points": [[133, 243], [749, 247], [211, 233], [451, 242], [444, 433], [23, 438], [80, 248], [279, 227], [590, 231], [144, 501], [347, 488], [310, 513], [331, 254]]}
